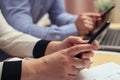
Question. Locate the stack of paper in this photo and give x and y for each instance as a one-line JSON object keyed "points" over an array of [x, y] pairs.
{"points": [[109, 71]]}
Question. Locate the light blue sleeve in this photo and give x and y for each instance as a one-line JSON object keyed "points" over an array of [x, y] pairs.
{"points": [[58, 14], [17, 14]]}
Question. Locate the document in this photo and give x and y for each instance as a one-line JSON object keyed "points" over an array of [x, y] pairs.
{"points": [[108, 71]]}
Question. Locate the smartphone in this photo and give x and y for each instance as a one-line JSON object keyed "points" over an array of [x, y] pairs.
{"points": [[92, 39], [103, 16], [108, 11]]}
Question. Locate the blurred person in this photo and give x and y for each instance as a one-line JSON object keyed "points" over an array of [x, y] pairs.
{"points": [[58, 64], [23, 15]]}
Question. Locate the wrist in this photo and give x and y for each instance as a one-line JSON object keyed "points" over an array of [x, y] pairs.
{"points": [[53, 46], [77, 24], [28, 70], [35, 69]]}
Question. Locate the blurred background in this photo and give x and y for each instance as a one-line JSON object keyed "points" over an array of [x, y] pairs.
{"points": [[81, 6]]}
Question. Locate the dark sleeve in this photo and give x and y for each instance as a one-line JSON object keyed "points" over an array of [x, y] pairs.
{"points": [[11, 70], [40, 48]]}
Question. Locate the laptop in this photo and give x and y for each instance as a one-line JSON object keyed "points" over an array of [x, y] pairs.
{"points": [[110, 40]]}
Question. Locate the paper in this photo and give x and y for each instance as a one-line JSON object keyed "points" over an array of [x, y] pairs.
{"points": [[109, 71]]}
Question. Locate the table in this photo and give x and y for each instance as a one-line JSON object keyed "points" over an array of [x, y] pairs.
{"points": [[102, 58]]}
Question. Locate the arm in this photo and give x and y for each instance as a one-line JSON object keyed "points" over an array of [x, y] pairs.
{"points": [[17, 14], [61, 63], [21, 45], [16, 43], [85, 22], [58, 14]]}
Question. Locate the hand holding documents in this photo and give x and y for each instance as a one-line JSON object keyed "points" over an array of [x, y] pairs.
{"points": [[109, 71]]}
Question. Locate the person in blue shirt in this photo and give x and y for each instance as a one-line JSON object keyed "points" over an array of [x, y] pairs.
{"points": [[24, 14]]}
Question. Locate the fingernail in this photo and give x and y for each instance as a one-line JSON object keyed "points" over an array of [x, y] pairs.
{"points": [[95, 46], [78, 67], [91, 60], [89, 67]]}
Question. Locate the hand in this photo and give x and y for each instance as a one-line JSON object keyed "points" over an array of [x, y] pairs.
{"points": [[55, 46], [57, 66], [86, 22]]}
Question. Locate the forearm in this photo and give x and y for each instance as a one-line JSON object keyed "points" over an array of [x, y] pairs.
{"points": [[16, 43], [58, 14], [61, 18], [19, 70], [53, 46], [21, 19], [53, 32], [24, 46], [28, 70], [19, 45]]}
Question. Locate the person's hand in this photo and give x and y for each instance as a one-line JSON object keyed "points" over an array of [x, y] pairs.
{"points": [[55, 46], [86, 22], [59, 65]]}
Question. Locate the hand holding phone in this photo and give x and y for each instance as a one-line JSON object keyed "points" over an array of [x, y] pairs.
{"points": [[91, 40]]}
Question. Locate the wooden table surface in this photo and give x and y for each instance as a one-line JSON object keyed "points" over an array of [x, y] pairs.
{"points": [[102, 58]]}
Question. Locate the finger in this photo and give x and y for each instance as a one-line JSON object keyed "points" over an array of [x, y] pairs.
{"points": [[96, 43], [93, 14], [73, 70], [72, 51], [88, 54], [99, 19], [83, 63], [76, 40], [89, 22], [87, 18], [92, 19], [80, 62], [89, 25]]}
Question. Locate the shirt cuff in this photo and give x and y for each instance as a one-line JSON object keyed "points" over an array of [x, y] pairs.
{"points": [[40, 48], [11, 70]]}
